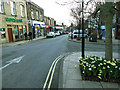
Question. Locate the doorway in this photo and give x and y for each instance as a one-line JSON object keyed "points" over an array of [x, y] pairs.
{"points": [[10, 34]]}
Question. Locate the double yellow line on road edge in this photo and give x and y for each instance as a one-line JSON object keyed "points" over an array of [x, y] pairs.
{"points": [[50, 70]]}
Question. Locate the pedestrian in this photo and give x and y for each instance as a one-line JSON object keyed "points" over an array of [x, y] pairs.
{"points": [[30, 35], [25, 35]]}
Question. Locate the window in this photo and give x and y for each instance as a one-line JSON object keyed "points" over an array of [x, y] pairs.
{"points": [[41, 16], [37, 15], [22, 11], [32, 14], [1, 7], [13, 9]]}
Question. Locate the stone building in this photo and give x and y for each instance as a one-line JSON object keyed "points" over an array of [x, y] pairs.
{"points": [[13, 20], [35, 15]]}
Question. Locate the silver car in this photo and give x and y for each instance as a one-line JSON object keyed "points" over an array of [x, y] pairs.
{"points": [[50, 34]]}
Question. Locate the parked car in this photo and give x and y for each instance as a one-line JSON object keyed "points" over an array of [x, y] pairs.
{"points": [[76, 33], [57, 33], [50, 34]]}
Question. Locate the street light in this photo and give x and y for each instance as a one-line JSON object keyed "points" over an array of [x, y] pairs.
{"points": [[83, 39]]}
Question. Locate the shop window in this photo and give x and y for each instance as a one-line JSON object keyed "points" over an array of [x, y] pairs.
{"points": [[2, 33], [1, 6], [22, 11], [21, 31], [13, 9], [16, 32]]}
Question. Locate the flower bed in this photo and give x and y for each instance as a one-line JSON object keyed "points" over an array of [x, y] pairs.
{"points": [[99, 69]]}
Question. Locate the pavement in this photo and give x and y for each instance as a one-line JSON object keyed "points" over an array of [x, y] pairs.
{"points": [[114, 41], [71, 77], [20, 42]]}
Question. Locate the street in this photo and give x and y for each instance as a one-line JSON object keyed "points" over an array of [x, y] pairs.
{"points": [[36, 59]]}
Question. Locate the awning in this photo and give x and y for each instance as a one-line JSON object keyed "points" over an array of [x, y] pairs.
{"points": [[37, 23]]}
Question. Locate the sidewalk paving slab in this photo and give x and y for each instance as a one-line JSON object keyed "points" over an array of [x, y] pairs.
{"points": [[114, 41], [20, 42]]}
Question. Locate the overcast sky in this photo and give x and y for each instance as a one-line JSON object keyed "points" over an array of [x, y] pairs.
{"points": [[52, 9]]}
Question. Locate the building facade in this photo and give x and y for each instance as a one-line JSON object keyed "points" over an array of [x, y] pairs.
{"points": [[35, 15], [13, 24]]}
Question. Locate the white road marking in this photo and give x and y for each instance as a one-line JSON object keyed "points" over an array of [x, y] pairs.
{"points": [[16, 60]]}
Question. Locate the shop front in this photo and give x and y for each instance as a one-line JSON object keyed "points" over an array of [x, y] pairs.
{"points": [[38, 29], [13, 29]]}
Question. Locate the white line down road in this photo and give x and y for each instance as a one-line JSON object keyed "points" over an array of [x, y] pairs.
{"points": [[51, 72], [16, 60]]}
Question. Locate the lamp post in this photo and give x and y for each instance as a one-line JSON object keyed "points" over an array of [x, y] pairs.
{"points": [[83, 39]]}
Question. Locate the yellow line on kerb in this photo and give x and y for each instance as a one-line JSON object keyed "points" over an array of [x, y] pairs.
{"points": [[50, 71]]}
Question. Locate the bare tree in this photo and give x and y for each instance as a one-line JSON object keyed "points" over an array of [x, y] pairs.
{"points": [[107, 12]]}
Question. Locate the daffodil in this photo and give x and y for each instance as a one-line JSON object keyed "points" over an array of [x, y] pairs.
{"points": [[104, 60], [108, 67], [99, 74], [94, 67], [104, 63], [101, 64], [113, 64], [90, 69], [108, 61], [100, 71], [99, 77], [116, 66], [110, 71], [104, 68], [83, 72]]}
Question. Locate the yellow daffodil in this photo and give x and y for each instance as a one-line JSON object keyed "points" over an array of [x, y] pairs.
{"points": [[116, 66], [90, 69], [108, 67], [110, 71], [108, 62], [113, 64], [99, 74], [104, 68], [104, 63], [100, 71], [83, 72], [99, 77], [104, 60], [94, 67], [113, 59]]}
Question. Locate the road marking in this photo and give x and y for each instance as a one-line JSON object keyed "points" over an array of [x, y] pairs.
{"points": [[51, 71], [16, 60]]}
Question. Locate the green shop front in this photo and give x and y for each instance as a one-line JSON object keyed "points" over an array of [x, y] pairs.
{"points": [[15, 28]]}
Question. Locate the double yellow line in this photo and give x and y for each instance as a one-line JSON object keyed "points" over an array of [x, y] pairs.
{"points": [[51, 71]]}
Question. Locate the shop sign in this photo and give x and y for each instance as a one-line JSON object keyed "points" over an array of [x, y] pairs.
{"points": [[46, 26], [13, 20]]}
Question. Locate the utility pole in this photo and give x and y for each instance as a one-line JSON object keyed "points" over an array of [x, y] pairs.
{"points": [[83, 39]]}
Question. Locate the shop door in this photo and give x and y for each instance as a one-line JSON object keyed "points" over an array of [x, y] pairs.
{"points": [[10, 34]]}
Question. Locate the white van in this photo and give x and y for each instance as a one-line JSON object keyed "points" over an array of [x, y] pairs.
{"points": [[75, 34]]}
